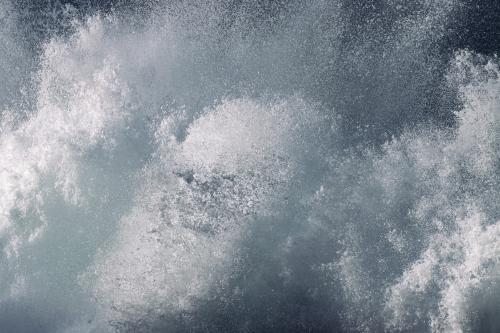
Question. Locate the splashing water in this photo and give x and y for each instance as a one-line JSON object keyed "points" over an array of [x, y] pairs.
{"points": [[247, 167]]}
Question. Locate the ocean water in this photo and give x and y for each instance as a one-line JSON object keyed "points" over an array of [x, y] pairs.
{"points": [[249, 166]]}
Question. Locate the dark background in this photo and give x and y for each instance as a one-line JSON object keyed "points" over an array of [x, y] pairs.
{"points": [[476, 28]]}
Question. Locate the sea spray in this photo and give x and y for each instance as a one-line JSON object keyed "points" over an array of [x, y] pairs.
{"points": [[222, 167]]}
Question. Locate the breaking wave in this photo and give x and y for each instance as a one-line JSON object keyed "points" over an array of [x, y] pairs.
{"points": [[247, 167]]}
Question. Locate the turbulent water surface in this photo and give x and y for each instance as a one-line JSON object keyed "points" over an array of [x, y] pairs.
{"points": [[249, 166]]}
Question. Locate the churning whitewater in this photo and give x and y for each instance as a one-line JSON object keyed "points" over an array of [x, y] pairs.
{"points": [[249, 166]]}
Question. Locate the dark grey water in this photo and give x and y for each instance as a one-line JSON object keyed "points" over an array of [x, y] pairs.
{"points": [[249, 166]]}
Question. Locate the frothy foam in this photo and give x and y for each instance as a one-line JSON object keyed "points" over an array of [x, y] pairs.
{"points": [[207, 170]]}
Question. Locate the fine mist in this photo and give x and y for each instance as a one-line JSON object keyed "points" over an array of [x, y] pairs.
{"points": [[249, 166]]}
